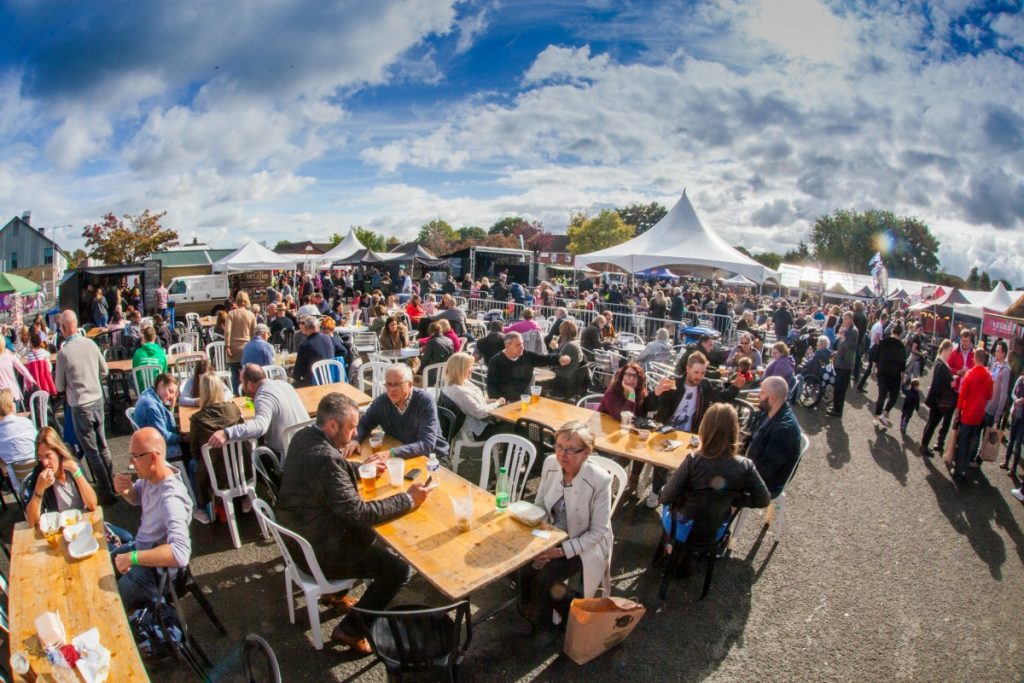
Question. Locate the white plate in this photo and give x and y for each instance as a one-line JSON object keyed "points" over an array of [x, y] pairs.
{"points": [[75, 530], [70, 517], [83, 546]]}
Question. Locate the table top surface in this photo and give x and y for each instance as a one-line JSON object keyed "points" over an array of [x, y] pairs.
{"points": [[453, 561], [83, 592], [310, 397], [399, 353], [543, 375], [126, 364], [608, 435]]}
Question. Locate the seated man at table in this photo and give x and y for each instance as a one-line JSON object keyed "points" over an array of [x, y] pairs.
{"points": [[150, 352], [405, 413], [277, 407], [258, 350], [277, 321], [510, 373], [315, 347], [774, 441], [153, 409], [163, 537], [491, 344], [592, 338], [706, 345], [319, 499]]}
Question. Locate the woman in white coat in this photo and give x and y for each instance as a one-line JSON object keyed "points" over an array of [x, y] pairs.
{"points": [[576, 495]]}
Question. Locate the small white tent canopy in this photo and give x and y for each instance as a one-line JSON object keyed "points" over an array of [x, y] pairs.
{"points": [[678, 239], [739, 281], [254, 256], [997, 301], [342, 250]]}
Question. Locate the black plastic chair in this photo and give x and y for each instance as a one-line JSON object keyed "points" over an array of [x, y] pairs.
{"points": [[709, 509], [416, 639], [541, 436], [255, 647]]}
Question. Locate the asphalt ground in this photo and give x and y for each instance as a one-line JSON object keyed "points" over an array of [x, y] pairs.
{"points": [[887, 572]]}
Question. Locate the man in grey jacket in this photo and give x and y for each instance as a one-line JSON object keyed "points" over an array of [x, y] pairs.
{"points": [[277, 407], [846, 356], [79, 372]]}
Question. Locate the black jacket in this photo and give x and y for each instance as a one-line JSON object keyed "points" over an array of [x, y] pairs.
{"points": [[940, 394], [707, 393], [319, 500], [890, 358], [437, 350], [774, 447], [489, 345]]}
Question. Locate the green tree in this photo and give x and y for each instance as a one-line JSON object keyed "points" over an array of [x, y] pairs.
{"points": [[973, 280], [606, 229], [949, 280], [800, 255], [281, 243], [437, 236], [391, 242], [77, 259], [985, 281], [335, 239], [370, 239], [472, 233], [768, 259], [130, 239], [506, 226], [642, 216], [847, 239]]}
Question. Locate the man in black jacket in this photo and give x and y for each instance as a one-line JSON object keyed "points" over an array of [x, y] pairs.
{"points": [[683, 404], [491, 344], [706, 345], [774, 441], [319, 500], [891, 360], [678, 305], [315, 347], [510, 373]]}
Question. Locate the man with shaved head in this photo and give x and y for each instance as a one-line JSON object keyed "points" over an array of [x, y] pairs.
{"points": [[79, 372], [774, 442], [163, 538]]}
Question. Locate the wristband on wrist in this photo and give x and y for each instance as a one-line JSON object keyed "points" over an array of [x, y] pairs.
{"points": [[77, 473], [135, 558], [37, 495]]}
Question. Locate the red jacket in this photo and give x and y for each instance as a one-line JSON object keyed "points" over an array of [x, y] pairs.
{"points": [[958, 362], [975, 392]]}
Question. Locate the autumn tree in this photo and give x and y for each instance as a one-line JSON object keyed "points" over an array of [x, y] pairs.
{"points": [[391, 242], [129, 239], [437, 236], [606, 229], [472, 233], [847, 240], [77, 259], [643, 217]]}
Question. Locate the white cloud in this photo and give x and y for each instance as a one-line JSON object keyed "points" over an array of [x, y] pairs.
{"points": [[800, 28]]}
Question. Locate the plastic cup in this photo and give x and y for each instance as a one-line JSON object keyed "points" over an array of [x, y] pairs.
{"points": [[524, 401], [368, 475], [643, 435], [534, 393], [626, 420], [463, 508], [396, 470], [376, 442]]}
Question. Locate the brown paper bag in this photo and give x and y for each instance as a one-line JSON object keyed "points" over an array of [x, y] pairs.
{"points": [[991, 440], [599, 624], [950, 452]]}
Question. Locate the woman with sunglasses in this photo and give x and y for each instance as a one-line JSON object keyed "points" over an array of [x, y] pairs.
{"points": [[576, 497], [745, 349]]}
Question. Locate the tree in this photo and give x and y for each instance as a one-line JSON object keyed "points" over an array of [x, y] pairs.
{"points": [[128, 240], [642, 216], [77, 259], [985, 281], [847, 240], [391, 242], [973, 278], [506, 226], [769, 259], [281, 243], [437, 236], [801, 255], [606, 229], [335, 239], [949, 280], [370, 239], [472, 233]]}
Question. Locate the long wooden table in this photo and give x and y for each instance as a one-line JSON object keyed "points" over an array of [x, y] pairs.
{"points": [[126, 364], [608, 435], [310, 397], [83, 592], [459, 562]]}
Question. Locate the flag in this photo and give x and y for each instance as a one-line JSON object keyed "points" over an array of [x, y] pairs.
{"points": [[877, 258]]}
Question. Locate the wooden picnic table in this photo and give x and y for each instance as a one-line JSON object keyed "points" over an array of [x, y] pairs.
{"points": [[83, 592], [310, 397], [459, 562], [126, 364], [608, 435]]}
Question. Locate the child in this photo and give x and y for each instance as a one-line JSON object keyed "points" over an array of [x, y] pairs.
{"points": [[743, 370], [911, 402]]}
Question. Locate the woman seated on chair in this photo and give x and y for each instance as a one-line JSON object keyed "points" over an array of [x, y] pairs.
{"points": [[576, 495], [394, 336], [469, 398], [437, 348], [216, 411], [17, 439], [628, 391], [189, 394], [57, 483], [414, 310], [716, 465], [446, 330]]}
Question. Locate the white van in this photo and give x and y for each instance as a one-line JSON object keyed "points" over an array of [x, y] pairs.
{"points": [[203, 294]]}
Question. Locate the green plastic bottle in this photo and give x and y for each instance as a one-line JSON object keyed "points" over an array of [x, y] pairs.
{"points": [[501, 494]]}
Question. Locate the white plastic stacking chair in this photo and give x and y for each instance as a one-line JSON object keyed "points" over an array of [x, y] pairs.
{"points": [[39, 405], [591, 401], [275, 372], [130, 414], [185, 367], [218, 355], [519, 457], [370, 379], [323, 371], [238, 484], [288, 433], [432, 379], [312, 584], [144, 377], [180, 347], [776, 513]]}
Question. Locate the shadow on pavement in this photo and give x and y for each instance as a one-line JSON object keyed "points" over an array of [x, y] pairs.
{"points": [[889, 454], [838, 443]]}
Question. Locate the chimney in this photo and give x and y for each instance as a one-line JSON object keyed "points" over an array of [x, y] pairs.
{"points": [[27, 217]]}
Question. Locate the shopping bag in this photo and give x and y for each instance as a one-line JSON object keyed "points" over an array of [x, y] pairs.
{"points": [[599, 624], [991, 440], [950, 453]]}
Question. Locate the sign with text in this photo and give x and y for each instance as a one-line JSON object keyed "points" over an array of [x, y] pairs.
{"points": [[1001, 327]]}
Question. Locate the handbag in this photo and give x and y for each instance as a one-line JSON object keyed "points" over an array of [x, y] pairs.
{"points": [[990, 443]]}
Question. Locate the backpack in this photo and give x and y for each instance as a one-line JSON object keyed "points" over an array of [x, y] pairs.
{"points": [[148, 628]]}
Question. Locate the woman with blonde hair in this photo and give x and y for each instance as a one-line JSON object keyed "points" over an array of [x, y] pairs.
{"points": [[468, 398], [216, 412], [57, 483], [17, 439], [715, 466]]}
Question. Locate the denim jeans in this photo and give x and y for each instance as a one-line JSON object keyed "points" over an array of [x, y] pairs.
{"points": [[139, 585], [88, 420], [1013, 445], [967, 442]]}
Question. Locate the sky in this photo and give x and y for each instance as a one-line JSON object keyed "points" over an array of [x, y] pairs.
{"points": [[292, 119]]}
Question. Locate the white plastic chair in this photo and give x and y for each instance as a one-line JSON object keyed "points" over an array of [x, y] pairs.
{"points": [[517, 449], [180, 347], [130, 414], [313, 585], [288, 433], [323, 371], [365, 341], [237, 484], [144, 377], [39, 406], [591, 401], [776, 513], [195, 339], [372, 374], [217, 351], [275, 372], [618, 473], [185, 366]]}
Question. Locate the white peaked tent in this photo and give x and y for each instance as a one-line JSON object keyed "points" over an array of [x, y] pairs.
{"points": [[997, 301], [254, 256], [678, 239], [342, 250]]}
